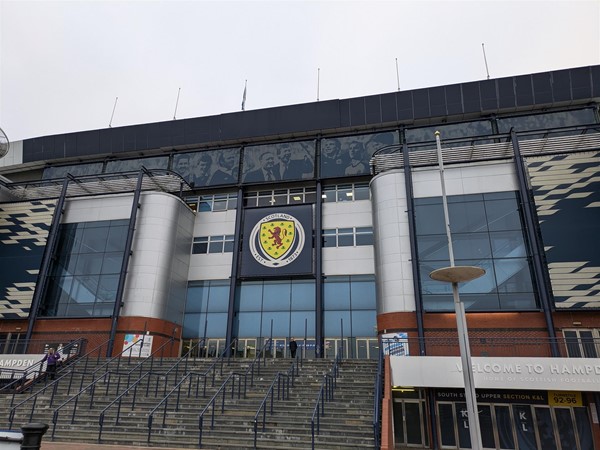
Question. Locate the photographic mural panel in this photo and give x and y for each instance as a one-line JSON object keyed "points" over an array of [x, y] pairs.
{"points": [[209, 167], [279, 162], [350, 155]]}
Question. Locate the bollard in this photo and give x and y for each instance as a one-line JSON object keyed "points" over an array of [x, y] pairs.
{"points": [[32, 435]]}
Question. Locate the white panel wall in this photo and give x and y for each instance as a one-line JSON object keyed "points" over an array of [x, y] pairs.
{"points": [[474, 178], [347, 260], [212, 266], [93, 209], [393, 268], [157, 278]]}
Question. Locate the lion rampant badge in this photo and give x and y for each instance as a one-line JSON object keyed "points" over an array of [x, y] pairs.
{"points": [[277, 240]]}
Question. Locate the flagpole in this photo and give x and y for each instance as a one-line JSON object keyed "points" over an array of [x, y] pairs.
{"points": [[176, 104], [318, 81], [244, 96], [397, 74]]}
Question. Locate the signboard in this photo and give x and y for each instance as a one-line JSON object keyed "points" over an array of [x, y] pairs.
{"points": [[562, 374], [561, 398], [495, 396], [395, 344], [141, 348], [11, 363], [277, 241]]}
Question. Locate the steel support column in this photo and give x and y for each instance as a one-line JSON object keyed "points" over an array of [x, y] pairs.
{"points": [[135, 206], [531, 227], [42, 279], [319, 332], [237, 248]]}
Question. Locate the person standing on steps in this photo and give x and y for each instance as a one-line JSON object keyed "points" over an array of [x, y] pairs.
{"points": [[52, 359], [293, 347]]}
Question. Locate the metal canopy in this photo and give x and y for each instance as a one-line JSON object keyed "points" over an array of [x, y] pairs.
{"points": [[101, 184]]}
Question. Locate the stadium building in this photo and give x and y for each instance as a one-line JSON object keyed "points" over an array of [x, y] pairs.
{"points": [[322, 222]]}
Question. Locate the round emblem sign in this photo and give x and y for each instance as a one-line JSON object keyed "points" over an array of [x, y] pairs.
{"points": [[277, 240]]}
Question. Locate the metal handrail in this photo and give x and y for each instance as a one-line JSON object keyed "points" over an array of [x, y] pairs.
{"points": [[177, 388], [28, 376], [261, 354], [91, 387], [289, 377], [378, 399], [118, 400], [212, 367], [212, 401], [52, 385], [328, 386]]}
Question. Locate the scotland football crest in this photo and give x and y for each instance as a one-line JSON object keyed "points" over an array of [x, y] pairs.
{"points": [[275, 241]]}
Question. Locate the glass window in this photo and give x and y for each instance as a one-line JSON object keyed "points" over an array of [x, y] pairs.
{"points": [[344, 193], [303, 295], [277, 295], [345, 237], [364, 323], [363, 292], [216, 244], [364, 236], [200, 245], [301, 322], [330, 238], [335, 321], [487, 233], [337, 293], [361, 191], [249, 324], [251, 293]]}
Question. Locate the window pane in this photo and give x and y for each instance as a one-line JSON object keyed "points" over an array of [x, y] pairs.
{"points": [[303, 295], [116, 239], [94, 240], [112, 262], [276, 295], [433, 247], [88, 264], [471, 245], [216, 244], [329, 194], [107, 288], [300, 320], [508, 244], [513, 275], [216, 325], [364, 323], [251, 296], [278, 320], [361, 192], [197, 299], [363, 293], [364, 239], [337, 293], [218, 300], [200, 248], [430, 219], [503, 215], [333, 323], [249, 324], [84, 289], [467, 217], [344, 193]]}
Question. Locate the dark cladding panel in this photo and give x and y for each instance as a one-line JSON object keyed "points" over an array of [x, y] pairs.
{"points": [[596, 81], [421, 103], [561, 86], [65, 146], [471, 99], [357, 111], [388, 108], [542, 87], [159, 135], [489, 95], [453, 99], [373, 109], [303, 117], [437, 101], [202, 129], [88, 143], [506, 93], [111, 140], [524, 90], [344, 113], [404, 100], [129, 139], [33, 150], [178, 137], [580, 82]]}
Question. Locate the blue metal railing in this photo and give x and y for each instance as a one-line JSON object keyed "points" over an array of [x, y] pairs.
{"points": [[325, 394], [283, 381]]}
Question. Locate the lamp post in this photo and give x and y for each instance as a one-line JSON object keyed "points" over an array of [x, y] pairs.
{"points": [[454, 275]]}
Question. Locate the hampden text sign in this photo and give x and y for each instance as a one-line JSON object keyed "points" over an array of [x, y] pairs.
{"points": [[560, 374]]}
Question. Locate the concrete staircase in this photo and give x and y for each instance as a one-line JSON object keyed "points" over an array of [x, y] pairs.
{"points": [[347, 422]]}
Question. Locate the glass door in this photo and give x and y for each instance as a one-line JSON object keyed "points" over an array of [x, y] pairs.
{"points": [[409, 429], [333, 346]]}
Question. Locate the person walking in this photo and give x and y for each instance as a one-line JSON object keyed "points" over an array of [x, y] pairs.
{"points": [[293, 347], [52, 358]]}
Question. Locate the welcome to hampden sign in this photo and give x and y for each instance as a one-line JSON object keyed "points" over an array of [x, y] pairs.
{"points": [[581, 374]]}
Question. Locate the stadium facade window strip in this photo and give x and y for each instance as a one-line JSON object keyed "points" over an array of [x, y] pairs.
{"points": [[487, 232], [346, 192], [213, 244], [84, 276], [348, 237]]}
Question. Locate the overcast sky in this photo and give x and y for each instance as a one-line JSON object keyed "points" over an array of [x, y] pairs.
{"points": [[63, 63]]}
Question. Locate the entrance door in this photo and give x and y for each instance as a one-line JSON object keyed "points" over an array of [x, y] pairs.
{"points": [[408, 424], [333, 346], [279, 347]]}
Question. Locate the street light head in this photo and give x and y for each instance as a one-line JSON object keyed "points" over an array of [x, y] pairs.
{"points": [[457, 274]]}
